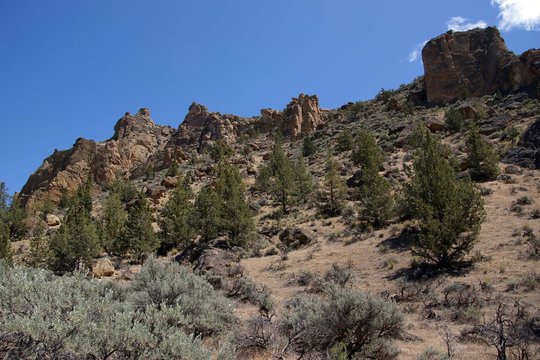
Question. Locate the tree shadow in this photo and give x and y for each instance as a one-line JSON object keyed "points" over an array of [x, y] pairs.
{"points": [[427, 271], [400, 242]]}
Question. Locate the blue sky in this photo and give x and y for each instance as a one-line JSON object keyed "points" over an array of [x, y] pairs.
{"points": [[71, 69]]}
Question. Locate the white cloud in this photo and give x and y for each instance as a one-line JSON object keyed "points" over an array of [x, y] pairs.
{"points": [[415, 53], [522, 14], [458, 23]]}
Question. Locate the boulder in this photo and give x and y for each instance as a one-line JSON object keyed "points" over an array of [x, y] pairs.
{"points": [[527, 152], [156, 192], [52, 220], [169, 181], [103, 268], [297, 237], [434, 124]]}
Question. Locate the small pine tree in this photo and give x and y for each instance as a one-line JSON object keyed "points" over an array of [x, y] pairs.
{"points": [[333, 189], [113, 224], [449, 210], [278, 177], [367, 154], [304, 180], [208, 211], [77, 241], [177, 216], [308, 147], [482, 158], [454, 120], [5, 243], [174, 168], [220, 151], [345, 141], [139, 238], [236, 214], [376, 199], [16, 220]]}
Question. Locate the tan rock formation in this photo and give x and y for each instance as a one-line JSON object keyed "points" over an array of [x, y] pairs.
{"points": [[475, 63]]}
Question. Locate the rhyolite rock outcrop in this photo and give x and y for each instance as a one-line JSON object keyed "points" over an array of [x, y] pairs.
{"points": [[136, 138], [139, 143], [474, 63]]}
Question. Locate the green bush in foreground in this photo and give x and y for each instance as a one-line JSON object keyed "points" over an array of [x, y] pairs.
{"points": [[50, 317], [359, 324]]}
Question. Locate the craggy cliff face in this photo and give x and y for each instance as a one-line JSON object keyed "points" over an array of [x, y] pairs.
{"points": [[476, 63], [138, 143]]}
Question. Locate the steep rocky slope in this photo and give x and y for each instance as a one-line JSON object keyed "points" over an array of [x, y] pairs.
{"points": [[474, 71]]}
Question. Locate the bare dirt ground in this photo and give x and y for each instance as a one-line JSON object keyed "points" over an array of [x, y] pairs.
{"points": [[375, 263]]}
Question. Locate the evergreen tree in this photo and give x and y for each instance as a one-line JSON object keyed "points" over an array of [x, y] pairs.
{"points": [[449, 210], [174, 168], [368, 155], [308, 146], [5, 243], [377, 200], [236, 215], [208, 211], [333, 190], [220, 151], [177, 216], [288, 182], [345, 141], [77, 240], [125, 189], [139, 238], [4, 198], [482, 158], [304, 180], [16, 220], [113, 224]]}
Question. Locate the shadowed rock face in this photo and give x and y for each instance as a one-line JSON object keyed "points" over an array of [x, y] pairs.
{"points": [[458, 65]]}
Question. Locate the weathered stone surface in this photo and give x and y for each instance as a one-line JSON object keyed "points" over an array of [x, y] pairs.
{"points": [[296, 237], [52, 220], [156, 192], [136, 138], [103, 267], [475, 63], [301, 116], [169, 181], [494, 124], [527, 151], [434, 124]]}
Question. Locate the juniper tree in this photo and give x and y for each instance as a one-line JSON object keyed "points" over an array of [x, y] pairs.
{"points": [[113, 223], [333, 191], [308, 146], [139, 238], [177, 216], [287, 181], [303, 180], [377, 200], [77, 241], [208, 212], [481, 157], [375, 193], [367, 154], [174, 168], [345, 141], [5, 243], [220, 151], [449, 210], [236, 214]]}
